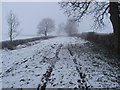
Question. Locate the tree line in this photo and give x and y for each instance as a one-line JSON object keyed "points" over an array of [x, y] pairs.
{"points": [[45, 26], [76, 10]]}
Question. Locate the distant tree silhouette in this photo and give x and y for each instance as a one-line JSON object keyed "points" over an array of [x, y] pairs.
{"points": [[45, 26], [71, 27], [61, 28], [13, 24]]}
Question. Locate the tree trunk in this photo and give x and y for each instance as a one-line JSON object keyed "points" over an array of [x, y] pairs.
{"points": [[114, 17], [11, 41], [10, 38], [45, 34]]}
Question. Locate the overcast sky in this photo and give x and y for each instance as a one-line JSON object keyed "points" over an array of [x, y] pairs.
{"points": [[30, 14]]}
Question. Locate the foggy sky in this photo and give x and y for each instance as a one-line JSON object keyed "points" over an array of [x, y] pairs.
{"points": [[30, 14]]}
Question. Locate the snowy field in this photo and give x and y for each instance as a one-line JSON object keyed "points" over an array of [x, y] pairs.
{"points": [[57, 63]]}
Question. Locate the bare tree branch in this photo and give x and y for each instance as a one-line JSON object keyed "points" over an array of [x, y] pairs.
{"points": [[79, 9], [13, 24]]}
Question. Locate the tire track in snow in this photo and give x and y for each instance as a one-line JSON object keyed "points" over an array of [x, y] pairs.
{"points": [[82, 81], [93, 71], [47, 75]]}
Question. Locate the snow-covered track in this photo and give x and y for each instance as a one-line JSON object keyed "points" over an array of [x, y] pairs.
{"points": [[61, 62]]}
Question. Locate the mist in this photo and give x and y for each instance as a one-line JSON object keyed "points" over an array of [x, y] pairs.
{"points": [[30, 14]]}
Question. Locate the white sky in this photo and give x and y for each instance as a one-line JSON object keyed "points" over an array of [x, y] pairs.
{"points": [[30, 14]]}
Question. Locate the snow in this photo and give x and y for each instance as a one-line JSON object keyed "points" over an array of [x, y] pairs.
{"points": [[64, 72], [50, 62], [98, 72]]}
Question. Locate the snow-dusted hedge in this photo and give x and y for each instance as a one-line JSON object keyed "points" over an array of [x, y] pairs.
{"points": [[103, 39], [6, 44]]}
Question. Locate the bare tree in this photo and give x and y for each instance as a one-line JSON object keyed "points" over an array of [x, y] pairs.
{"points": [[45, 26], [71, 27], [99, 10], [61, 29], [13, 24]]}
